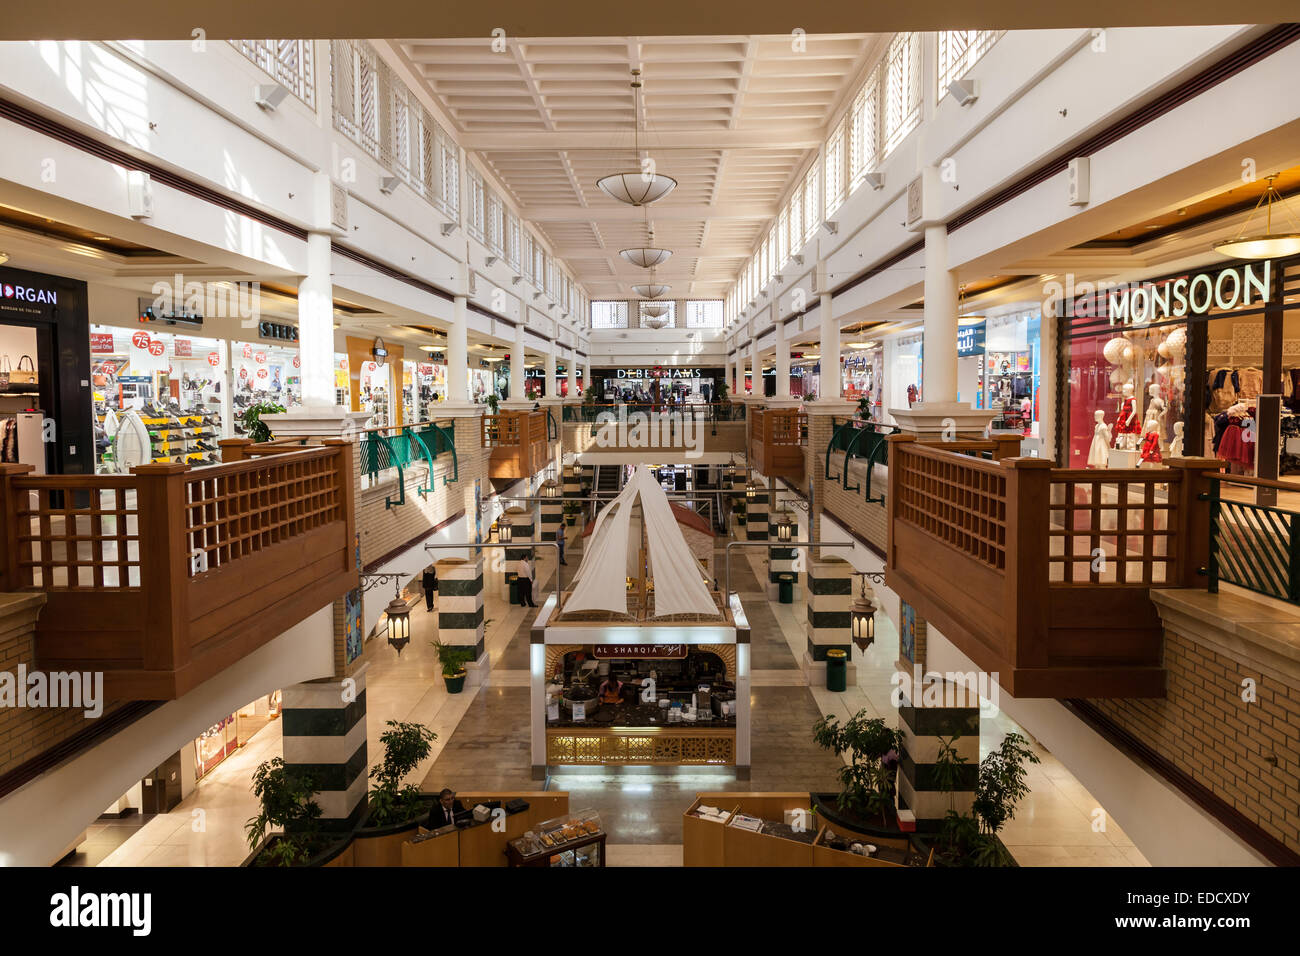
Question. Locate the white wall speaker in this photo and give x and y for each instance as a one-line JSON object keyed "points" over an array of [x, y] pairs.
{"points": [[965, 92], [139, 194], [269, 95], [1077, 180]]}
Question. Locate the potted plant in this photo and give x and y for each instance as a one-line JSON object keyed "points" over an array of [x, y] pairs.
{"points": [[251, 419], [453, 660], [394, 810], [868, 778], [570, 513], [864, 409], [492, 402], [971, 839], [286, 801]]}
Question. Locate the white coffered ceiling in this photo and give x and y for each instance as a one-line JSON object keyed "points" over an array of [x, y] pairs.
{"points": [[732, 118]]}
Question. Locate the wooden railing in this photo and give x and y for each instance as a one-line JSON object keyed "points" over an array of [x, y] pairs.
{"points": [[776, 441], [518, 441], [163, 577], [1044, 574]]}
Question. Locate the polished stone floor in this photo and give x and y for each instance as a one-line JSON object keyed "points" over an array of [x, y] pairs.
{"points": [[483, 744]]}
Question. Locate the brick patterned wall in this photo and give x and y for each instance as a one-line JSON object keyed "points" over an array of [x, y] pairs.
{"points": [[27, 732], [868, 519], [1206, 730]]}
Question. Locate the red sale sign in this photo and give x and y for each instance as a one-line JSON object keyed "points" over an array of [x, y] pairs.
{"points": [[102, 342], [156, 347], [297, 362], [371, 366], [248, 351], [261, 373], [182, 348], [260, 358], [140, 340], [214, 359], [343, 363], [243, 372], [108, 368]]}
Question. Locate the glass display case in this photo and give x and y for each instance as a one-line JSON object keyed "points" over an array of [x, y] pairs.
{"points": [[573, 840]]}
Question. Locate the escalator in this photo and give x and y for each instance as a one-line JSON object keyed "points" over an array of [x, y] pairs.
{"points": [[609, 479]]}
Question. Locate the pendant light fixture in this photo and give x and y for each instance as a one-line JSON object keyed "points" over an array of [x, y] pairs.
{"points": [[1268, 245], [863, 618], [643, 185], [649, 255]]}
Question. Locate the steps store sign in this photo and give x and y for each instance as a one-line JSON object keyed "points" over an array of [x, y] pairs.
{"points": [[1140, 303]]}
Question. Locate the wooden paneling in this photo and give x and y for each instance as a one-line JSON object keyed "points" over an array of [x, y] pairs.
{"points": [[164, 577]]}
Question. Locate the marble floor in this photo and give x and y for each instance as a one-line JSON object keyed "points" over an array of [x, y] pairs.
{"points": [[482, 744]]}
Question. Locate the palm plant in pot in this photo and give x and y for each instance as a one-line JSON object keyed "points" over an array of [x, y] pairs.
{"points": [[867, 780], [286, 801], [405, 745], [453, 660]]}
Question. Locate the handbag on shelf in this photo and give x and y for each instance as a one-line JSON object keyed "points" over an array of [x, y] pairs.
{"points": [[23, 376]]}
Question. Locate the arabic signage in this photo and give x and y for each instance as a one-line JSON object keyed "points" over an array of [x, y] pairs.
{"points": [[638, 651]]}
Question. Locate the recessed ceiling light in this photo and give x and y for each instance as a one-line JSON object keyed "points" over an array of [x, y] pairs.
{"points": [[100, 238]]}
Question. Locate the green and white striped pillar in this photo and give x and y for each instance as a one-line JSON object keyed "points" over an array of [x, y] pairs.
{"points": [[552, 514], [756, 515], [522, 529], [324, 728], [830, 625], [780, 561], [460, 603], [738, 503], [932, 711]]}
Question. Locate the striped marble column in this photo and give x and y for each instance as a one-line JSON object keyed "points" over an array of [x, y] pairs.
{"points": [[931, 708], [324, 728], [522, 529], [756, 515], [460, 603], [738, 503], [552, 514], [780, 560], [829, 601]]}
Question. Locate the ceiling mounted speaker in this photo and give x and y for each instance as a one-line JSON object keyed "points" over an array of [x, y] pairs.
{"points": [[876, 180], [652, 291], [387, 184], [269, 95], [647, 257], [965, 92], [1077, 180]]}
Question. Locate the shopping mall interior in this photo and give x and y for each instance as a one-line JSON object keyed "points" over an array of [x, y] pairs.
{"points": [[611, 447]]}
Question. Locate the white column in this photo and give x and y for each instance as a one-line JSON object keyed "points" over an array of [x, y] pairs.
{"points": [[831, 388], [572, 369], [517, 365], [316, 324], [458, 353], [552, 390], [939, 345], [756, 364], [586, 376], [782, 360]]}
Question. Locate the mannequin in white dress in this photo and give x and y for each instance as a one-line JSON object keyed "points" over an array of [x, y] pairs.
{"points": [[1099, 452], [1176, 443]]}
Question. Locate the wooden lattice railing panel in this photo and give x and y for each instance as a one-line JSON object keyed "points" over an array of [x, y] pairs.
{"points": [[1113, 527], [958, 499], [75, 532]]}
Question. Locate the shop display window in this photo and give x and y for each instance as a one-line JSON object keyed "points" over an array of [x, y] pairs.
{"points": [[864, 377], [215, 744], [157, 397], [264, 373]]}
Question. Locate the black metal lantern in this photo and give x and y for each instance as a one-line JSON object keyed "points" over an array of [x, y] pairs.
{"points": [[729, 472], [785, 527], [550, 488], [399, 623], [503, 529], [752, 489], [863, 619]]}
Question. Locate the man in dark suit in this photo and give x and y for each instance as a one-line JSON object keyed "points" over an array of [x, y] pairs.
{"points": [[445, 810]]}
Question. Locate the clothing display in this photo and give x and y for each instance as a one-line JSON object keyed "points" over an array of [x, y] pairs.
{"points": [[9, 441], [1151, 448], [1234, 439], [1099, 452], [1126, 420]]}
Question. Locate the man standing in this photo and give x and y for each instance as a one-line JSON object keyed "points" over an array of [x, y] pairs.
{"points": [[526, 583], [430, 584], [559, 539]]}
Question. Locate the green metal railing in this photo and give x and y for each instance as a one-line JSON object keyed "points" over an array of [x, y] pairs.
{"points": [[422, 441], [862, 439], [1252, 545]]}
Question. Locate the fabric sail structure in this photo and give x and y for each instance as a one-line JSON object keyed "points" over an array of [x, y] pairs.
{"points": [[600, 583]]}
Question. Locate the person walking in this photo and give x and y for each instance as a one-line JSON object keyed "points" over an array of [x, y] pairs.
{"points": [[559, 539], [429, 582], [526, 575]]}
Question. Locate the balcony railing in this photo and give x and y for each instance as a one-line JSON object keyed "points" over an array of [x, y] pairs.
{"points": [[858, 439], [162, 578], [519, 443], [1254, 544], [390, 450], [776, 442], [1043, 574]]}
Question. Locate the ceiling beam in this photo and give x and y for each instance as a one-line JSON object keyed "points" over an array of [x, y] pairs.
{"points": [[662, 213], [768, 137]]}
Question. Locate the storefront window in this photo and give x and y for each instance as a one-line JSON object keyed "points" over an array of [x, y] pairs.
{"points": [[1012, 350], [157, 397], [903, 357], [864, 377], [264, 373]]}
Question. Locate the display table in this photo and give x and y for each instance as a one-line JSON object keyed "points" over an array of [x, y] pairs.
{"points": [[590, 848], [686, 744], [480, 844]]}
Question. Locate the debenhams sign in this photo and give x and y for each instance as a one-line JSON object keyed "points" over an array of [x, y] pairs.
{"points": [[1140, 303]]}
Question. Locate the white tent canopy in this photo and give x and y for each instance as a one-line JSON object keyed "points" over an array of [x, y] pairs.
{"points": [[600, 584]]}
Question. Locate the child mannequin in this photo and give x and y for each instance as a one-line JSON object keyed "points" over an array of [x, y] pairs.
{"points": [[1151, 439], [1127, 426], [1099, 452], [1176, 445]]}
